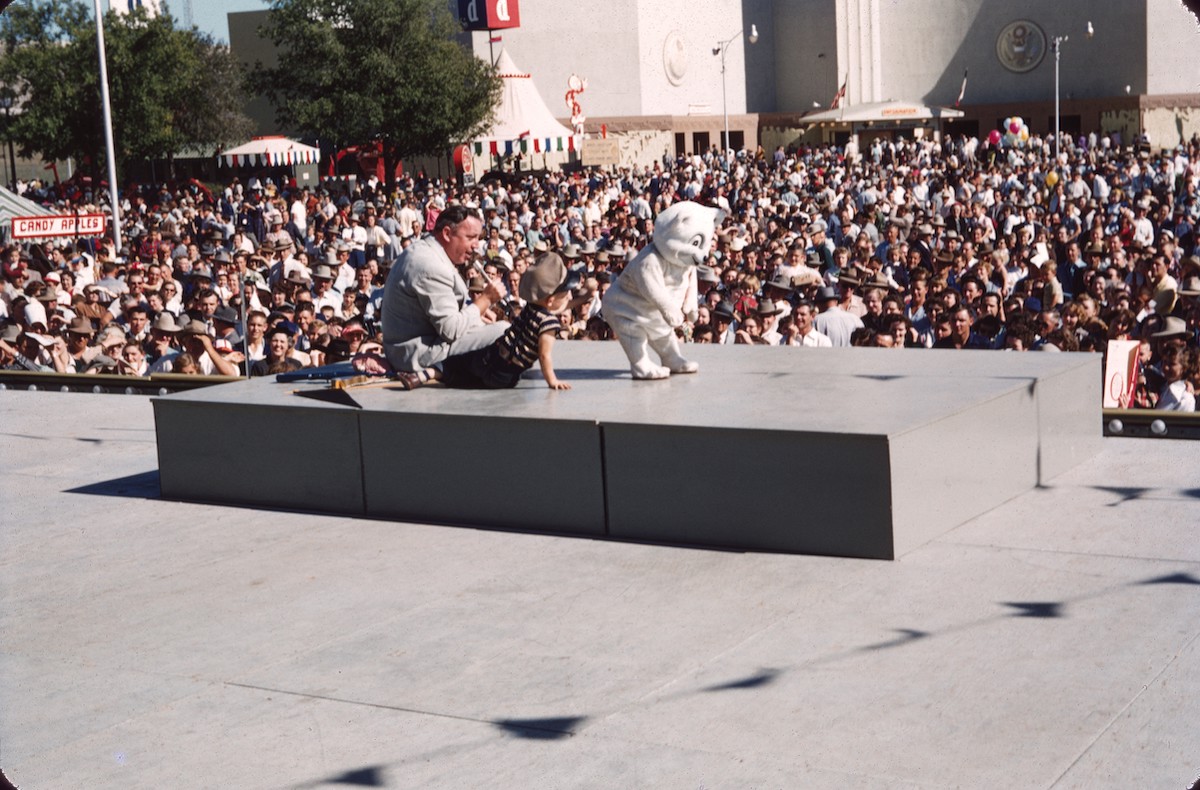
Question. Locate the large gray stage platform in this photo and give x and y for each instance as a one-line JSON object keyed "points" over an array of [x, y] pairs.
{"points": [[847, 452]]}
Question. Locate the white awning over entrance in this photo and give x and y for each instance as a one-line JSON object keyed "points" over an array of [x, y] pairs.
{"points": [[882, 112]]}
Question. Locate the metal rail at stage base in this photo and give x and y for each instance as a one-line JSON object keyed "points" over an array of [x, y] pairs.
{"points": [[106, 383]]}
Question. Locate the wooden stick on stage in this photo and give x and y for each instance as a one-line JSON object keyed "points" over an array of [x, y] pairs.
{"points": [[337, 393]]}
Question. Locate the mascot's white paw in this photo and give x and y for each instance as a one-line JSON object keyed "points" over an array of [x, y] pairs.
{"points": [[651, 373], [686, 367]]}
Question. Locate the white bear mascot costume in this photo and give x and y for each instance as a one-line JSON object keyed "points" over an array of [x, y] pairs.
{"points": [[656, 292]]}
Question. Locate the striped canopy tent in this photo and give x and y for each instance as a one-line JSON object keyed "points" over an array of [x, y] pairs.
{"points": [[13, 205], [524, 124], [271, 151]]}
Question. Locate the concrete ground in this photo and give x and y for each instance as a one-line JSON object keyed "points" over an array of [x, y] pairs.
{"points": [[1051, 642]]}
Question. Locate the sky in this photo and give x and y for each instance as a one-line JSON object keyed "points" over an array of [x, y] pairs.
{"points": [[210, 15]]}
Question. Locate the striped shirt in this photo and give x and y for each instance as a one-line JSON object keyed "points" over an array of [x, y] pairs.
{"points": [[518, 346]]}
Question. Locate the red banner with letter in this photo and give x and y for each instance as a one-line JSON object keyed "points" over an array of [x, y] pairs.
{"points": [[489, 14]]}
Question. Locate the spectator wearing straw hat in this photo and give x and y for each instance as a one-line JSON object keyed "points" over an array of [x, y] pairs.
{"points": [[323, 292], [198, 345], [79, 336]]}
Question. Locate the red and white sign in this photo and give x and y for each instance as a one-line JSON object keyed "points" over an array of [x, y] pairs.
{"points": [[464, 159], [489, 14], [1120, 373], [66, 225]]}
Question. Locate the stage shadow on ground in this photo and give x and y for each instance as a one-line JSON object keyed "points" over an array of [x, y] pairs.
{"points": [[140, 486]]}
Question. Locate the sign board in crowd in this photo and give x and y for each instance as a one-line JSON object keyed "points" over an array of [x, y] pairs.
{"points": [[600, 152], [1120, 373], [67, 225]]}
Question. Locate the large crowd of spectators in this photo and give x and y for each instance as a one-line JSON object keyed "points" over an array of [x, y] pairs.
{"points": [[906, 244]]}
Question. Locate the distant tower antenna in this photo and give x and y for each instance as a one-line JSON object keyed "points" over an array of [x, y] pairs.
{"points": [[187, 14]]}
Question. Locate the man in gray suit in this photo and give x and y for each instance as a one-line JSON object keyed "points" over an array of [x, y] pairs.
{"points": [[426, 313]]}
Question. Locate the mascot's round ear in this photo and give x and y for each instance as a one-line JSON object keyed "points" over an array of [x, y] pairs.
{"points": [[717, 220]]}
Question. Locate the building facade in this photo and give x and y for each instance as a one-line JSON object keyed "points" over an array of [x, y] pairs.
{"points": [[651, 63], [151, 7], [654, 67]]}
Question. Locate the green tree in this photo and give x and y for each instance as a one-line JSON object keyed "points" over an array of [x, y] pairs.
{"points": [[169, 88], [356, 71]]}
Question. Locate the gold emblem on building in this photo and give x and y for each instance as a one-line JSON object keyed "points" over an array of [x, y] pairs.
{"points": [[1021, 46]]}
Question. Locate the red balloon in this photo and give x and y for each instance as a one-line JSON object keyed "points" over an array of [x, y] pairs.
{"points": [[1014, 127], [994, 137]]}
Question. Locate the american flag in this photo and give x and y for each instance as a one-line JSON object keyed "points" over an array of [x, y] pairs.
{"points": [[841, 94]]}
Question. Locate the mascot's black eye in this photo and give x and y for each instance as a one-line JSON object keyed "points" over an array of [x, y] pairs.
{"points": [[698, 240]]}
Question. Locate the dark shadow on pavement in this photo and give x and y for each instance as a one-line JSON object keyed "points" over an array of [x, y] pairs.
{"points": [[1127, 494], [762, 678], [1173, 578], [363, 777], [139, 486], [551, 729], [907, 637], [1043, 610]]}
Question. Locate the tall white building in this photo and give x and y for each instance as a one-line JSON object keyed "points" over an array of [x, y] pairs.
{"points": [[652, 62], [654, 67], [152, 7]]}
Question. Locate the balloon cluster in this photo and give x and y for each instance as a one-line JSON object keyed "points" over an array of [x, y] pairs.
{"points": [[1016, 131]]}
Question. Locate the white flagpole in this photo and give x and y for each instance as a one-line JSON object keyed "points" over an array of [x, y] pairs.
{"points": [[108, 129]]}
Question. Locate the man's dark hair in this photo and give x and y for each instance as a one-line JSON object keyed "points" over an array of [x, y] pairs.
{"points": [[452, 216], [862, 337]]}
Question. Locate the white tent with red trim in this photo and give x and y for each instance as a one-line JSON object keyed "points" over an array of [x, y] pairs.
{"points": [[13, 205], [270, 151], [523, 122]]}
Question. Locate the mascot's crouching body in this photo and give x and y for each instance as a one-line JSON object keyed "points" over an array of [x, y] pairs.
{"points": [[656, 292]]}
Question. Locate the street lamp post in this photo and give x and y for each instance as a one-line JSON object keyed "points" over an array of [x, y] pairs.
{"points": [[722, 48], [6, 101], [1057, 43]]}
